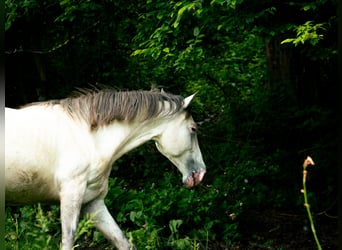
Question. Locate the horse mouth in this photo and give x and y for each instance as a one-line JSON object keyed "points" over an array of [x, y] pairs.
{"points": [[195, 178]]}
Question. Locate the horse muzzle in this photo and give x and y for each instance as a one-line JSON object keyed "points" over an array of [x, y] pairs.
{"points": [[195, 178]]}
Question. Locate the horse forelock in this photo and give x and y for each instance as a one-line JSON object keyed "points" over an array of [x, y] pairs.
{"points": [[101, 108]]}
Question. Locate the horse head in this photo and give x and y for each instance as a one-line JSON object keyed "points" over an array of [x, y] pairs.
{"points": [[178, 142]]}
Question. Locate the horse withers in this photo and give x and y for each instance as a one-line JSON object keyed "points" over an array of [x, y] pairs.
{"points": [[62, 151]]}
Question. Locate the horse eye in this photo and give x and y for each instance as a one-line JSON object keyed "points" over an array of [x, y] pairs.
{"points": [[193, 128]]}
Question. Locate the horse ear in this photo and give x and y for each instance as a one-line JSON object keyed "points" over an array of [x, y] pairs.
{"points": [[188, 100]]}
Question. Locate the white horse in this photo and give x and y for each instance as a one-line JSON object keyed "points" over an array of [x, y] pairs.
{"points": [[62, 151]]}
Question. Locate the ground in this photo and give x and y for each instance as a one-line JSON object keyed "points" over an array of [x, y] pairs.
{"points": [[279, 229]]}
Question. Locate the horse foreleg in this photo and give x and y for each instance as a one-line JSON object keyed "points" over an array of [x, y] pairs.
{"points": [[105, 223], [71, 194]]}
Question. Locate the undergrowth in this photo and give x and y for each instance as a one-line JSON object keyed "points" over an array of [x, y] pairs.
{"points": [[154, 217]]}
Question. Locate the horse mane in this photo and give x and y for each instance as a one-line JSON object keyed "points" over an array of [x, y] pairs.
{"points": [[101, 107]]}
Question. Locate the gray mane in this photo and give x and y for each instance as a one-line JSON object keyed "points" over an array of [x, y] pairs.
{"points": [[100, 108]]}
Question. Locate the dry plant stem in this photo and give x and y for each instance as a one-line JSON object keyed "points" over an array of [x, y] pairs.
{"points": [[307, 163]]}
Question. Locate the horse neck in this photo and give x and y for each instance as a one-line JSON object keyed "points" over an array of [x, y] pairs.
{"points": [[115, 140]]}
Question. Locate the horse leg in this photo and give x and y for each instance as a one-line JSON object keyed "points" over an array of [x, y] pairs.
{"points": [[71, 194], [105, 223]]}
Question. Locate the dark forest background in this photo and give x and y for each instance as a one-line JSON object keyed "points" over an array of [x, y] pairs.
{"points": [[266, 76]]}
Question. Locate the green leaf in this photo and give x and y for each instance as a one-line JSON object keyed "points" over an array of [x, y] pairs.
{"points": [[180, 13], [174, 225], [288, 40], [196, 31]]}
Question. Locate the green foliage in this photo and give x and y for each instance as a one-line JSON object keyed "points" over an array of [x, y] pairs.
{"points": [[85, 226], [306, 32], [254, 126], [34, 227], [168, 215], [15, 10], [31, 228]]}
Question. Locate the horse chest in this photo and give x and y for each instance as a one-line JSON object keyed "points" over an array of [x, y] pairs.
{"points": [[97, 183]]}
